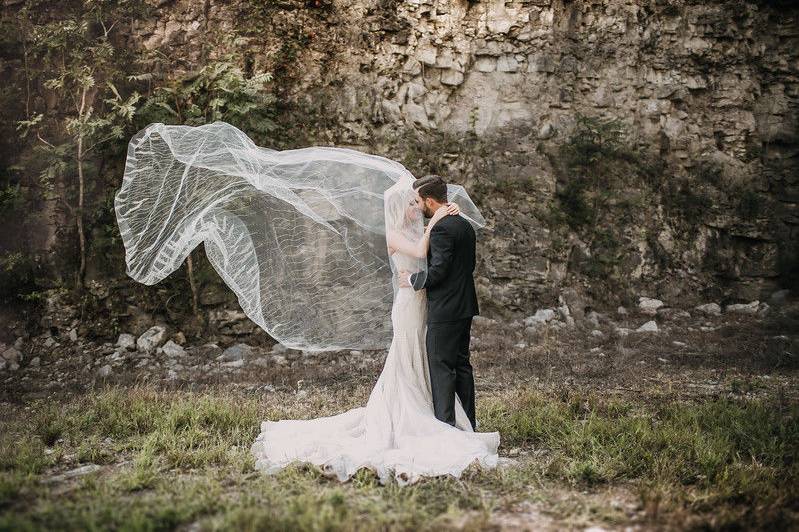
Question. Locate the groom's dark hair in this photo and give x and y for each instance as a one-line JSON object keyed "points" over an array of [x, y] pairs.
{"points": [[432, 186]]}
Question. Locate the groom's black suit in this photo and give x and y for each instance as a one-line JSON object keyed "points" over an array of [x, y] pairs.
{"points": [[451, 304]]}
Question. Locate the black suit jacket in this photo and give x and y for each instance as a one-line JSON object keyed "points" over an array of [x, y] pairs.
{"points": [[450, 264]]}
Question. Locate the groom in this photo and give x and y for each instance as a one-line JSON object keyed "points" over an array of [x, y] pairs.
{"points": [[451, 302]]}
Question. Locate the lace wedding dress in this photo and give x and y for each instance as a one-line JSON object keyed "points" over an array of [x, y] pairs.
{"points": [[396, 432]]}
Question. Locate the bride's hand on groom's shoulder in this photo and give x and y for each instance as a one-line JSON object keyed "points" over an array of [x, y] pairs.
{"points": [[448, 209]]}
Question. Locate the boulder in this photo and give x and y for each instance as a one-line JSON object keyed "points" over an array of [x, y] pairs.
{"points": [[649, 305], [575, 303], [482, 320], [622, 331], [546, 131], [172, 350], [451, 77], [151, 338], [507, 63]]}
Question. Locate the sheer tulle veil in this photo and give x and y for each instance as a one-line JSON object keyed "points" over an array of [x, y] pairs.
{"points": [[298, 235]]}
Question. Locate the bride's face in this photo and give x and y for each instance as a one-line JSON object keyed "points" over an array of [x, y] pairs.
{"points": [[412, 211]]}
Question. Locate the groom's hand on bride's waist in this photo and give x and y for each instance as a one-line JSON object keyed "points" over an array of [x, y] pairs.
{"points": [[404, 279]]}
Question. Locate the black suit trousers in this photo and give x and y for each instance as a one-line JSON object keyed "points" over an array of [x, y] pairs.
{"points": [[450, 369]]}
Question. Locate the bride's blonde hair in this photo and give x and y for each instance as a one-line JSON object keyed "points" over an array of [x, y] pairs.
{"points": [[396, 204]]}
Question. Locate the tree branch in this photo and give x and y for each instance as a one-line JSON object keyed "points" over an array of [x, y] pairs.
{"points": [[39, 136]]}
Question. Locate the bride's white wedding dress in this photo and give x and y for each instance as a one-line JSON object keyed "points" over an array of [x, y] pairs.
{"points": [[396, 432]]}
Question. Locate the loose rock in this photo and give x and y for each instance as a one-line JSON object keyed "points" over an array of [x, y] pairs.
{"points": [[235, 353], [593, 318], [72, 473], [711, 309], [743, 308], [541, 316], [648, 305], [127, 341], [151, 339], [172, 350], [649, 326]]}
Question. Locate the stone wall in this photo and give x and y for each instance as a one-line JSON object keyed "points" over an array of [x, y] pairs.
{"points": [[696, 83]]}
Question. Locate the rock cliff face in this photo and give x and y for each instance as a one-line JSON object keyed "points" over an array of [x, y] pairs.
{"points": [[485, 92]]}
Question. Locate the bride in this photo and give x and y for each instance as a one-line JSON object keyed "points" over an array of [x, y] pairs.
{"points": [[397, 431], [310, 240]]}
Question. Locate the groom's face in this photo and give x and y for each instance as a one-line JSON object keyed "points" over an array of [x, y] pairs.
{"points": [[423, 205]]}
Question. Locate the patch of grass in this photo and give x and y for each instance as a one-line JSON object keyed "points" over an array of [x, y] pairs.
{"points": [[22, 459], [185, 460], [23, 455], [98, 504], [183, 430], [718, 452]]}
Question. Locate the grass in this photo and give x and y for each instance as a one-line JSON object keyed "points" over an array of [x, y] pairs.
{"points": [[729, 452], [177, 458]]}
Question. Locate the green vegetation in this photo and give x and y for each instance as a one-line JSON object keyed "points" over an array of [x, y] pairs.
{"points": [[176, 458], [598, 165], [730, 451], [77, 61], [85, 92], [605, 194], [217, 91], [434, 152]]}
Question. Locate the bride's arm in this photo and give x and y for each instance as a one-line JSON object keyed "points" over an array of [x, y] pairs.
{"points": [[419, 249], [402, 244]]}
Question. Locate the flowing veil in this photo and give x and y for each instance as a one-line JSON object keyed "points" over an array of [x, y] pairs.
{"points": [[298, 235]]}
